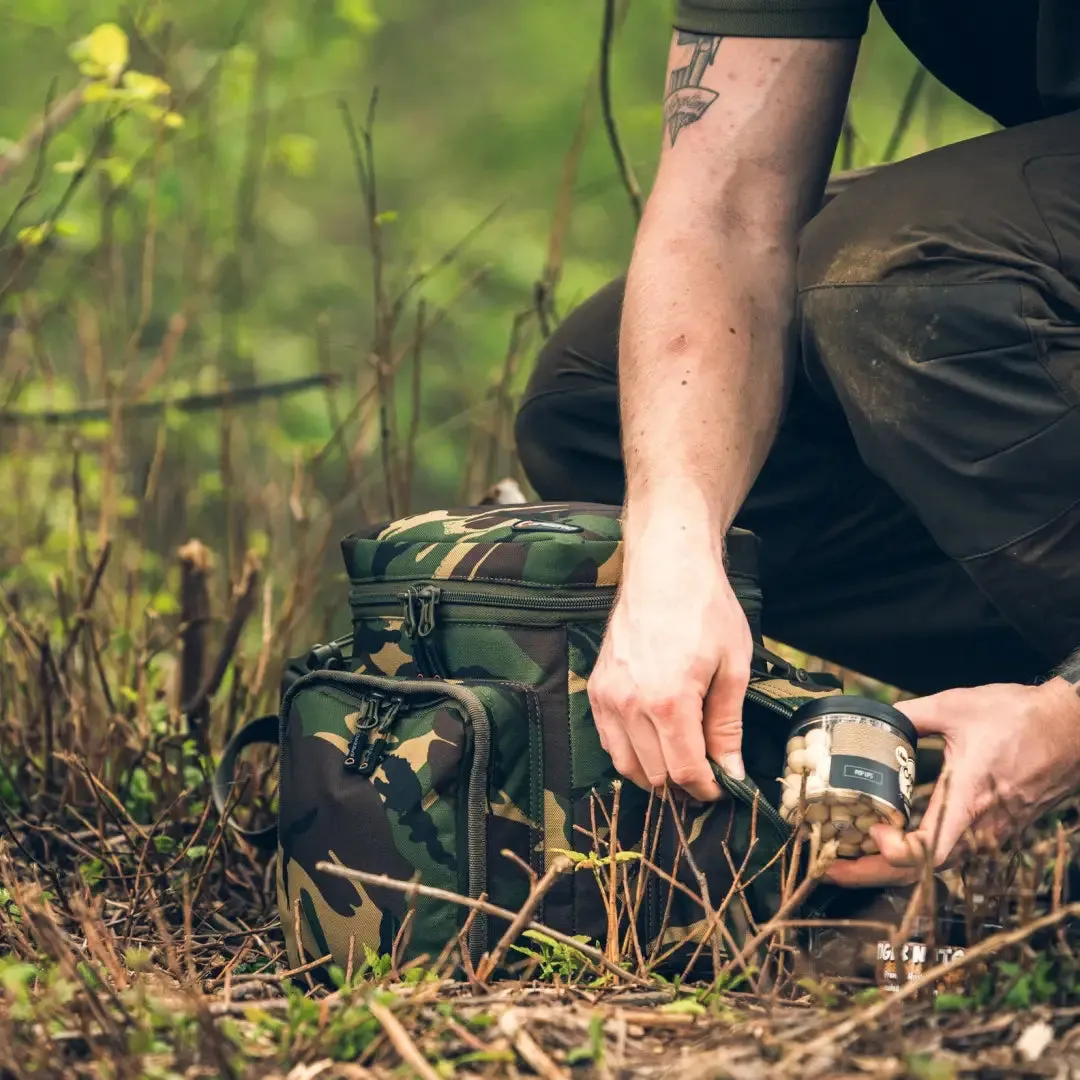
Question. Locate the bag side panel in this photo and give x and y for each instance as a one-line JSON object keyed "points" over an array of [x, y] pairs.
{"points": [[405, 819], [535, 657], [515, 794]]}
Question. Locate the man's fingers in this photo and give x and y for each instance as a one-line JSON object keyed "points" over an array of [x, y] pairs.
{"points": [[930, 715], [682, 741], [947, 818], [623, 757], [723, 715], [613, 737], [869, 871]]}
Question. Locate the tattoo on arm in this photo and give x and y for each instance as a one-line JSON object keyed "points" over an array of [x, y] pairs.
{"points": [[687, 100], [1070, 671]]}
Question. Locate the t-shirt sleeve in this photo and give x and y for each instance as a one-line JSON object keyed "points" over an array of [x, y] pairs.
{"points": [[774, 18]]}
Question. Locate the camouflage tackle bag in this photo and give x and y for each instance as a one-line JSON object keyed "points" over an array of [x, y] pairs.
{"points": [[449, 740]]}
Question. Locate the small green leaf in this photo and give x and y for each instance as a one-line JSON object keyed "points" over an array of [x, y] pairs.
{"points": [[33, 236], [573, 856], [196, 852], [92, 872], [145, 87], [163, 845], [297, 153], [137, 959], [117, 170], [103, 52], [387, 217], [684, 1006], [359, 13], [482, 1056], [73, 165], [951, 1002]]}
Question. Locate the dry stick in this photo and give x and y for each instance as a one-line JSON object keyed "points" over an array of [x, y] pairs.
{"points": [[907, 112], [33, 186], [82, 615], [194, 616], [414, 420], [413, 889], [640, 884], [793, 901], [559, 866], [702, 880], [244, 603], [988, 947], [626, 171], [513, 1027], [613, 877], [546, 287], [234, 396]]}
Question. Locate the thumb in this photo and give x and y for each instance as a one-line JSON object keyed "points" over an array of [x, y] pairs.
{"points": [[723, 711], [947, 818], [930, 714]]}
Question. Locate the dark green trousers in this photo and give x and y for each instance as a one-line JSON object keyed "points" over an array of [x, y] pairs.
{"points": [[920, 509]]}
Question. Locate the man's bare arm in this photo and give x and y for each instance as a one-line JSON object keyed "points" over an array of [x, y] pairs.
{"points": [[750, 130]]}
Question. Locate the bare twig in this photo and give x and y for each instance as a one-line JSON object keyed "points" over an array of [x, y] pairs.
{"points": [[413, 888], [244, 597], [239, 395], [403, 1043], [512, 1025], [626, 170], [559, 866], [906, 114]]}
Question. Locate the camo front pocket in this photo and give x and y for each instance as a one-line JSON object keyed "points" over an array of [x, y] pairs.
{"points": [[424, 780]]}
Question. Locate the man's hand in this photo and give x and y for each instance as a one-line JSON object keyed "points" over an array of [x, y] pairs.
{"points": [[669, 683], [1011, 753]]}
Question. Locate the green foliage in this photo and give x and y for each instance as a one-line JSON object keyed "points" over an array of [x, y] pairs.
{"points": [[552, 957]]}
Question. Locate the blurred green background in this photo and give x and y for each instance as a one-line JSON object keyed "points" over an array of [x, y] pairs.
{"points": [[230, 201]]}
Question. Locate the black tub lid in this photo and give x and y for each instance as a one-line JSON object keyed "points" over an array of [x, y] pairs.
{"points": [[858, 706]]}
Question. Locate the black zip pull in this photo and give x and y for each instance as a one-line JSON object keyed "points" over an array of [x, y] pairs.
{"points": [[356, 744], [428, 597], [408, 611], [366, 722], [375, 752], [418, 623]]}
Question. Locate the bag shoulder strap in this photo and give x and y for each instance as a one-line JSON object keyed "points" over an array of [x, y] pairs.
{"points": [[260, 732]]}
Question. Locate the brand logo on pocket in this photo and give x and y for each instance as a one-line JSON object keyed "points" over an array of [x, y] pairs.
{"points": [[545, 526]]}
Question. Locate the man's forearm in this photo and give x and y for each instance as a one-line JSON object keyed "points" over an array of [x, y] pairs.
{"points": [[705, 338], [704, 353]]}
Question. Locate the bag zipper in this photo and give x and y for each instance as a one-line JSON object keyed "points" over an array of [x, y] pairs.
{"points": [[417, 601], [749, 793], [476, 796]]}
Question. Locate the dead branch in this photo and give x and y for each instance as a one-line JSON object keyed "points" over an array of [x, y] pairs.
{"points": [[413, 888], [234, 396], [626, 170]]}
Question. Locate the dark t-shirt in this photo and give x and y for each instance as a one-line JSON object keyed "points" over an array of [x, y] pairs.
{"points": [[1017, 60]]}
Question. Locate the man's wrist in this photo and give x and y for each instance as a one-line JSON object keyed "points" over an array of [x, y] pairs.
{"points": [[1060, 695], [675, 506], [1070, 670]]}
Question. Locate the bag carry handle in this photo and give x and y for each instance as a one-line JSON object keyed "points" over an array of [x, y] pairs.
{"points": [[260, 732]]}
